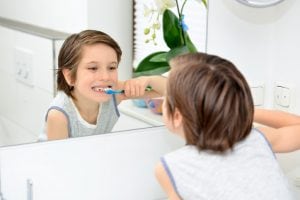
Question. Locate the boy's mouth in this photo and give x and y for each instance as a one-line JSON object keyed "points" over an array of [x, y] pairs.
{"points": [[101, 88]]}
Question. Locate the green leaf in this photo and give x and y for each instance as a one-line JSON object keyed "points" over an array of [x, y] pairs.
{"points": [[190, 44], [172, 32], [177, 51], [159, 57], [205, 3], [157, 71], [146, 64], [171, 29]]}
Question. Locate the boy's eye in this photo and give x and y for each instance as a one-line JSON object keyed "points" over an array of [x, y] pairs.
{"points": [[112, 68], [92, 68]]}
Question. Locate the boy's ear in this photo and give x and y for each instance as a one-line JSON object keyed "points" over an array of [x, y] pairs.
{"points": [[67, 74], [177, 119]]}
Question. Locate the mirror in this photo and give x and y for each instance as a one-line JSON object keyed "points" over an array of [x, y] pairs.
{"points": [[260, 3], [29, 45]]}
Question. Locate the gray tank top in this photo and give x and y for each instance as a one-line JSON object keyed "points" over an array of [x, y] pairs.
{"points": [[107, 117], [249, 172]]}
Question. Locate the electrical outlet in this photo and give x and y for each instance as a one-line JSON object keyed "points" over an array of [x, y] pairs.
{"points": [[283, 96], [23, 61]]}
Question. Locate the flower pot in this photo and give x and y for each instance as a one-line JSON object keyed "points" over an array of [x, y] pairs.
{"points": [[155, 105], [141, 103]]}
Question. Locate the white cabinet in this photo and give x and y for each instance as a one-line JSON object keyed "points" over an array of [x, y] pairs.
{"points": [[110, 166]]}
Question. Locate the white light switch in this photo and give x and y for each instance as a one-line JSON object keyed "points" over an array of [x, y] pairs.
{"points": [[23, 60], [258, 95]]}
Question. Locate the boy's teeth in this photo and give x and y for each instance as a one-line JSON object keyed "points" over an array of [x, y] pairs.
{"points": [[100, 89]]}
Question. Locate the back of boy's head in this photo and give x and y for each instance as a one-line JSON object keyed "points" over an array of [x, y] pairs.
{"points": [[213, 98], [71, 52]]}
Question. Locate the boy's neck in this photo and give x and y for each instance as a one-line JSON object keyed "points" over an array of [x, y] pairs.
{"points": [[88, 112]]}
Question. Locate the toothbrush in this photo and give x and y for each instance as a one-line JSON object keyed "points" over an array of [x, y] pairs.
{"points": [[111, 91]]}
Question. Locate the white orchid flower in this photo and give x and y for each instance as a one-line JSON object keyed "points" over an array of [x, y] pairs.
{"points": [[147, 10], [162, 5]]}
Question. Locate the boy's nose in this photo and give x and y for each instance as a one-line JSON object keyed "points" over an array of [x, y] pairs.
{"points": [[103, 74]]}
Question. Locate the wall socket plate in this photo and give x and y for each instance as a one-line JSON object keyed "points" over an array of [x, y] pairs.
{"points": [[23, 63], [283, 96], [258, 93]]}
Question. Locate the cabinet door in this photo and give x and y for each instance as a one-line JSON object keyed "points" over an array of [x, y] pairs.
{"points": [[110, 166]]}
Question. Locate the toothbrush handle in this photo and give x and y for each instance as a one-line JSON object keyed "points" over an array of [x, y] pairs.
{"points": [[148, 88]]}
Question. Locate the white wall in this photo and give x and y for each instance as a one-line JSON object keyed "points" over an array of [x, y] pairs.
{"points": [[262, 42], [22, 106], [264, 45], [113, 17], [62, 15]]}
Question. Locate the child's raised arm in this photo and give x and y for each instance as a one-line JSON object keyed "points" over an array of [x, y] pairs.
{"points": [[282, 129]]}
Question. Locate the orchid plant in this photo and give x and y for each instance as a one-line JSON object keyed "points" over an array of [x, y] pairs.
{"points": [[174, 33]]}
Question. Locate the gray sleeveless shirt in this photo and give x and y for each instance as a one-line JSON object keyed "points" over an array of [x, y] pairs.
{"points": [[107, 116], [249, 172]]}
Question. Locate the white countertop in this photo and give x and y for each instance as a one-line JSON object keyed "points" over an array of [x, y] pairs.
{"points": [[144, 114]]}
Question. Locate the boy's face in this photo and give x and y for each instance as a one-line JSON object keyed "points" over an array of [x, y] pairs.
{"points": [[98, 69]]}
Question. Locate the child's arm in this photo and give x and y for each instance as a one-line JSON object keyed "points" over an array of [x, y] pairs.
{"points": [[165, 182], [135, 88], [282, 129], [56, 125], [275, 118], [285, 139]]}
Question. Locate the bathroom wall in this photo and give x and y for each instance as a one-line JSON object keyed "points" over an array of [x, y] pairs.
{"points": [[113, 17], [23, 105], [262, 42]]}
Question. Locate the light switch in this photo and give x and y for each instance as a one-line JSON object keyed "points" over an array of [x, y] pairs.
{"points": [[258, 95], [24, 66]]}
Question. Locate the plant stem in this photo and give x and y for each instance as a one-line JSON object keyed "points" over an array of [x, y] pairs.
{"points": [[183, 6], [180, 18]]}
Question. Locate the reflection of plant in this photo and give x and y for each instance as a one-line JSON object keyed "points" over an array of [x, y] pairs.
{"points": [[174, 33]]}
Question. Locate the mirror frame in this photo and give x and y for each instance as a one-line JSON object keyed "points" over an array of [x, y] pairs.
{"points": [[259, 3]]}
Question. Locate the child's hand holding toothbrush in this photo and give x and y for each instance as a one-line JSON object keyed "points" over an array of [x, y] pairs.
{"points": [[142, 87]]}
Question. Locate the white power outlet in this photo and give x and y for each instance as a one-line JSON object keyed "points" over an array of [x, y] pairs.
{"points": [[23, 61], [283, 94]]}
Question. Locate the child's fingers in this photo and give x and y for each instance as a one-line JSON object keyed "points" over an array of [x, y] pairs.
{"points": [[135, 88]]}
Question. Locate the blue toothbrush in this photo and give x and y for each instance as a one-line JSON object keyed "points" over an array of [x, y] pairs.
{"points": [[111, 91]]}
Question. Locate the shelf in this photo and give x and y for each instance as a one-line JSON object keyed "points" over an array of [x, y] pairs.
{"points": [[144, 114]]}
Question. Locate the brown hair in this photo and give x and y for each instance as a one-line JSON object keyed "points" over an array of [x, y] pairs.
{"points": [[213, 98], [71, 52]]}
